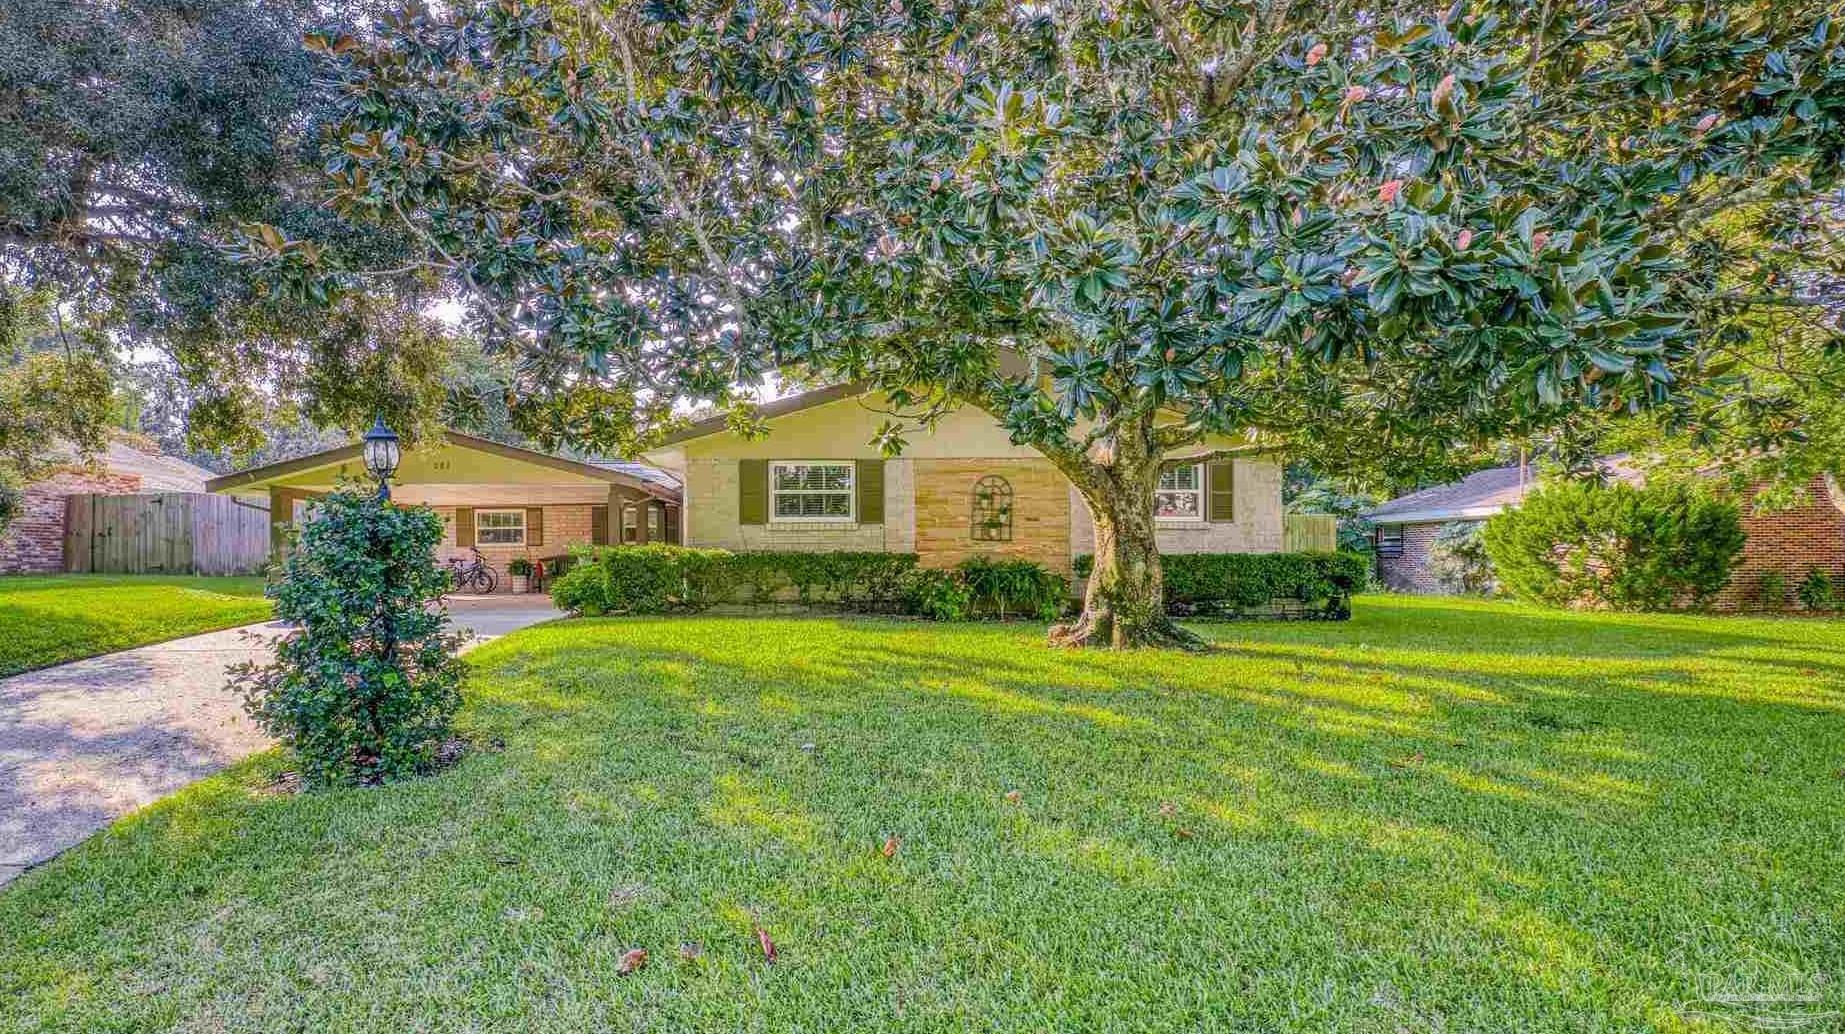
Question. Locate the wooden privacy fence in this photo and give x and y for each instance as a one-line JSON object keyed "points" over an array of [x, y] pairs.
{"points": [[1316, 531], [164, 533]]}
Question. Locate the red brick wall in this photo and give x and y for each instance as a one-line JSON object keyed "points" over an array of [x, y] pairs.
{"points": [[34, 543], [1410, 571], [1791, 541]]}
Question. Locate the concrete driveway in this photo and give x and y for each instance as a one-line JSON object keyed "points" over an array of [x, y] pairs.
{"points": [[84, 743]]}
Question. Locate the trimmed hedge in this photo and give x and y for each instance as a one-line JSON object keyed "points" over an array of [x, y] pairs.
{"points": [[655, 579], [659, 579], [1230, 584]]}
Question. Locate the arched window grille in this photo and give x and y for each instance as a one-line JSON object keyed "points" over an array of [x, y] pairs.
{"points": [[991, 519]]}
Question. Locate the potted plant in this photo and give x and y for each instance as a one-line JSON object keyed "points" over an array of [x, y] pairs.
{"points": [[521, 570]]}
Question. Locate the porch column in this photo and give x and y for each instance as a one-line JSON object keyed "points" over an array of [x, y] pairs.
{"points": [[641, 505]]}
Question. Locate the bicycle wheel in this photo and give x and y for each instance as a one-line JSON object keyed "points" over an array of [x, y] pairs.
{"points": [[489, 581]]}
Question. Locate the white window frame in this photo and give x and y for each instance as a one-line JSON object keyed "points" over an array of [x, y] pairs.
{"points": [[1183, 518], [851, 492], [478, 528]]}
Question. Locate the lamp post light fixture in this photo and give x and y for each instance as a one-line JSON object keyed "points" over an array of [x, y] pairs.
{"points": [[381, 452]]}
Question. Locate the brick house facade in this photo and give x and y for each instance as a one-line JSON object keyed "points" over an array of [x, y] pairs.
{"points": [[927, 499]]}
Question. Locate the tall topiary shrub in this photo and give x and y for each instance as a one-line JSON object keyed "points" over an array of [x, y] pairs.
{"points": [[1579, 543], [364, 688]]}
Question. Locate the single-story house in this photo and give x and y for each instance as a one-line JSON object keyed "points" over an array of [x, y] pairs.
{"points": [[504, 500], [961, 489], [1788, 541], [34, 542]]}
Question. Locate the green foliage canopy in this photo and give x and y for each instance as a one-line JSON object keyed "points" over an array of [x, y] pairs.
{"points": [[1369, 233]]}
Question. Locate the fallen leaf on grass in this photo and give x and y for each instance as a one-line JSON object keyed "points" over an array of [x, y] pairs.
{"points": [[631, 961], [1413, 759], [768, 945], [890, 847], [1168, 809], [690, 951], [1182, 833], [1015, 796]]}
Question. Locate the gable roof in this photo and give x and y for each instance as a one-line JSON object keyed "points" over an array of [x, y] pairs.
{"points": [[768, 411], [158, 472], [663, 488], [1480, 494]]}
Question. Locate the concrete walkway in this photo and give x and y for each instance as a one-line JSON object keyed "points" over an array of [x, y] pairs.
{"points": [[82, 744]]}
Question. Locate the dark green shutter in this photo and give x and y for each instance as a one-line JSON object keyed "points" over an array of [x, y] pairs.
{"points": [[752, 491], [598, 525], [869, 477], [1220, 491], [464, 525], [534, 526]]}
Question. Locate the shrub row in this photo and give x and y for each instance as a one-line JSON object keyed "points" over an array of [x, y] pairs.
{"points": [[1233, 583], [658, 579]]}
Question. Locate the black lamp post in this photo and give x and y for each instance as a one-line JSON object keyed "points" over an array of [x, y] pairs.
{"points": [[381, 452]]}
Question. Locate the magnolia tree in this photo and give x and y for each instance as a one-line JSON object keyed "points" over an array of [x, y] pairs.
{"points": [[1368, 231]]}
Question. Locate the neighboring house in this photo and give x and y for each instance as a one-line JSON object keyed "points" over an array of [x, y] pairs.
{"points": [[34, 543], [815, 482], [506, 501], [1789, 541]]}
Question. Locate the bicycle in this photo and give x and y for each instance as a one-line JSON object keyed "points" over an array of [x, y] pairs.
{"points": [[473, 575]]}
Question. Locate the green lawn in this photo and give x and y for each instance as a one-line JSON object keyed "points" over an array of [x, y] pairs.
{"points": [[1442, 816], [56, 618]]}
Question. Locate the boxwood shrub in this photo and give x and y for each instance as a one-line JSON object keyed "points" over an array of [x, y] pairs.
{"points": [[1234, 584], [658, 579]]}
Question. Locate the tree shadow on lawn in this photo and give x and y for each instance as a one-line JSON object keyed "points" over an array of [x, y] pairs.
{"points": [[1264, 828]]}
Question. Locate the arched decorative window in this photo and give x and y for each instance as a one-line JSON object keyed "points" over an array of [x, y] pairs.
{"points": [[991, 519]]}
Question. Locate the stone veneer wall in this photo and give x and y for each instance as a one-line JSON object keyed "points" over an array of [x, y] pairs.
{"points": [[566, 525], [34, 544], [712, 521], [944, 512]]}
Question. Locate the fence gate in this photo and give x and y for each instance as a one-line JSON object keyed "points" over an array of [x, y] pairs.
{"points": [[164, 533]]}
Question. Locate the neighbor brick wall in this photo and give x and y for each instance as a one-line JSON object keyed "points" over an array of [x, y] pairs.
{"points": [[1791, 541], [1410, 571], [1040, 512], [34, 544]]}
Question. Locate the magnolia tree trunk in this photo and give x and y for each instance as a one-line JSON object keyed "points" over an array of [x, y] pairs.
{"points": [[1124, 605]]}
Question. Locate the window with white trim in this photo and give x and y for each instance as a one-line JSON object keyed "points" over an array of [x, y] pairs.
{"points": [[1179, 496], [630, 523], [805, 490], [499, 527]]}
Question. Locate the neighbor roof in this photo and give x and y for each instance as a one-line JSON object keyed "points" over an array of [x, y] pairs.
{"points": [[663, 488], [1480, 494], [768, 410], [158, 473]]}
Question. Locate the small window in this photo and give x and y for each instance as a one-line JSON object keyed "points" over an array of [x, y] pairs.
{"points": [[1179, 495], [653, 523], [991, 520], [630, 524], [1390, 540], [809, 491], [499, 527]]}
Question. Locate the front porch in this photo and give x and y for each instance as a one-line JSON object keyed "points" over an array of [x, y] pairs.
{"points": [[505, 502]]}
